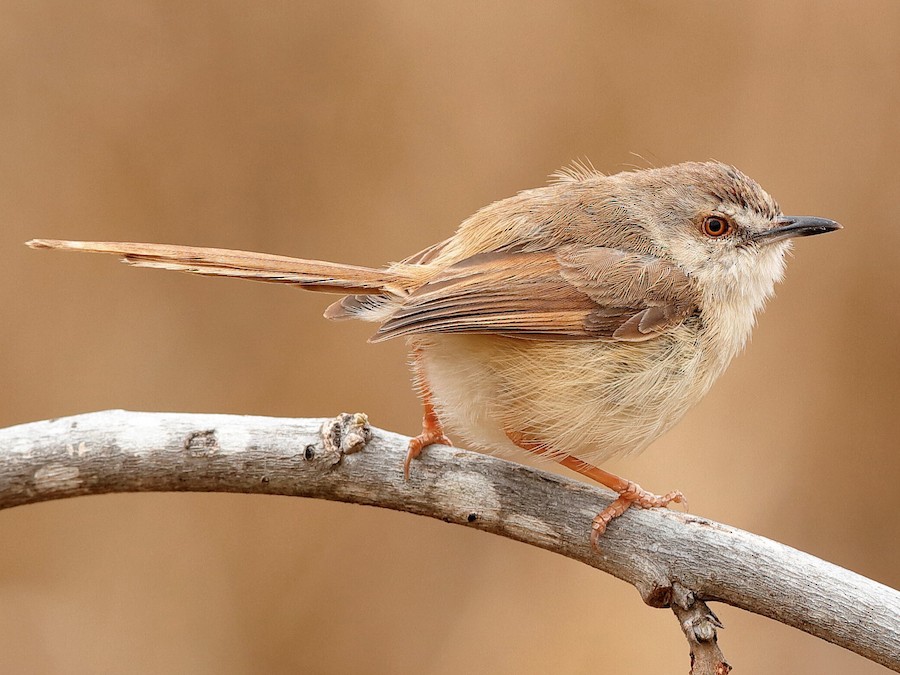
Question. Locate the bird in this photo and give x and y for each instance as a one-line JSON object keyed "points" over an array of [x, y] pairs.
{"points": [[577, 321]]}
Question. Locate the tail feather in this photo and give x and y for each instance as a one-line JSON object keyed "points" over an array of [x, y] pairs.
{"points": [[316, 275], [371, 307]]}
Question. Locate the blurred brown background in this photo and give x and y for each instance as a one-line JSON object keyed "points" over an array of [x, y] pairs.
{"points": [[363, 132]]}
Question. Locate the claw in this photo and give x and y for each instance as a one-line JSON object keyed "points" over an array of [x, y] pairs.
{"points": [[631, 494], [427, 437]]}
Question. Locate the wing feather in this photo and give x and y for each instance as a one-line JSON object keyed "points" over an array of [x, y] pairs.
{"points": [[582, 294]]}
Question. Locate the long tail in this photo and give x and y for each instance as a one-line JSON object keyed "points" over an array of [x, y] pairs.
{"points": [[315, 275]]}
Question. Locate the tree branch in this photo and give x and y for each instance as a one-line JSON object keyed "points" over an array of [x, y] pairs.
{"points": [[673, 559]]}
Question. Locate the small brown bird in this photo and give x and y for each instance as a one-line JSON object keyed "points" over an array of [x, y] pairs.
{"points": [[575, 321]]}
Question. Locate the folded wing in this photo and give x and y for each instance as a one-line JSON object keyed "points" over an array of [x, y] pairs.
{"points": [[566, 294]]}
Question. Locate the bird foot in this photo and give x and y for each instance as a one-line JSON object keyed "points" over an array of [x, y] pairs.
{"points": [[427, 437], [632, 494]]}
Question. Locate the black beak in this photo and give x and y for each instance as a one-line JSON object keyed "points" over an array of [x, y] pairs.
{"points": [[788, 227]]}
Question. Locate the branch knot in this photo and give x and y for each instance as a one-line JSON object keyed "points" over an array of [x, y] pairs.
{"points": [[345, 434]]}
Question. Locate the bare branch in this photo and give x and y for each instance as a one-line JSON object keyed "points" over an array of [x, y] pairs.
{"points": [[673, 559], [699, 624]]}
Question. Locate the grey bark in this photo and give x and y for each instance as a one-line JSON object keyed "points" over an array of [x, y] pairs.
{"points": [[674, 559]]}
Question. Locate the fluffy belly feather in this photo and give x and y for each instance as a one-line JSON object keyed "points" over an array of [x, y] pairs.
{"points": [[588, 399]]}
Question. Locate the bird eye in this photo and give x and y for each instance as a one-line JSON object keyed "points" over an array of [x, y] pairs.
{"points": [[716, 226]]}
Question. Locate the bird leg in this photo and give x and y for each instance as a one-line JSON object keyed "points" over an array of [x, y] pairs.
{"points": [[432, 432], [630, 493], [432, 429]]}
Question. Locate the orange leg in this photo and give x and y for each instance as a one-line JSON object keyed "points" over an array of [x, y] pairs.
{"points": [[432, 429], [630, 493]]}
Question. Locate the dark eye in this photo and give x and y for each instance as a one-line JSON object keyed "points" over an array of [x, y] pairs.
{"points": [[716, 226]]}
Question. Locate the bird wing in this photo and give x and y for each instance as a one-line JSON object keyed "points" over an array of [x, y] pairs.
{"points": [[568, 293]]}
